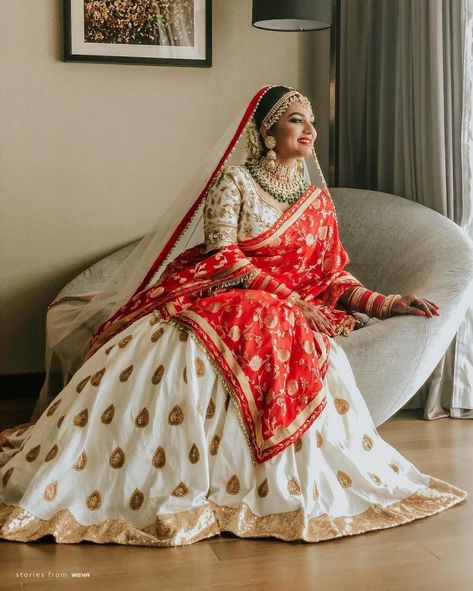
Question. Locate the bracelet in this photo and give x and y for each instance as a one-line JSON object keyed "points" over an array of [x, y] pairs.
{"points": [[371, 303]]}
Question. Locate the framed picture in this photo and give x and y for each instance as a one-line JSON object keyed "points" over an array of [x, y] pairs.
{"points": [[156, 32]]}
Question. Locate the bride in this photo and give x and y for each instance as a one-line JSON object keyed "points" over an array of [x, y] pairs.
{"points": [[216, 398]]}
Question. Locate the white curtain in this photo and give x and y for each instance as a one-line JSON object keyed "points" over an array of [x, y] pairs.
{"points": [[405, 118]]}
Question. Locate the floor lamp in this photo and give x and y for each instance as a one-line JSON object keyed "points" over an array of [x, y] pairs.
{"points": [[309, 15]]}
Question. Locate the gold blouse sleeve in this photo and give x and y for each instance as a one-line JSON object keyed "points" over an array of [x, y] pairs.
{"points": [[221, 213]]}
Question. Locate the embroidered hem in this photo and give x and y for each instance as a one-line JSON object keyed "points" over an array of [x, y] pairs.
{"points": [[187, 527]]}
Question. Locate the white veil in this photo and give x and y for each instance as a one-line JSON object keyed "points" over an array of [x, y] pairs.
{"points": [[73, 317]]}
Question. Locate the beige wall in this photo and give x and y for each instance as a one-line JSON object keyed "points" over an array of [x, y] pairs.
{"points": [[89, 149]]}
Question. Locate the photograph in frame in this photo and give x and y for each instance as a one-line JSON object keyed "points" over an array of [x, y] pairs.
{"points": [[155, 32]]}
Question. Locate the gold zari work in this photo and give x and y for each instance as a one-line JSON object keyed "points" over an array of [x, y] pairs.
{"points": [[81, 462], [263, 489], [81, 385], [176, 416], [52, 453], [50, 491], [81, 418], [194, 454], [210, 409], [394, 468], [298, 445], [344, 480], [199, 367], [319, 438], [136, 500], [233, 485], [180, 491], [154, 320], [126, 373], [315, 492], [107, 416], [184, 375], [183, 336], [117, 458], [124, 342], [53, 408], [376, 479], [97, 377], [294, 486], [158, 375], [157, 334], [213, 448], [367, 443], [33, 453], [94, 501], [7, 475], [107, 351], [142, 418], [59, 423], [159, 458], [341, 405]]}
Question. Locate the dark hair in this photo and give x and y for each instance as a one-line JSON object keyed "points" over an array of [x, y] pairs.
{"points": [[269, 99]]}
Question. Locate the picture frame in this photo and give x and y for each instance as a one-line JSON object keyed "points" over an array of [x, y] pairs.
{"points": [[152, 32]]}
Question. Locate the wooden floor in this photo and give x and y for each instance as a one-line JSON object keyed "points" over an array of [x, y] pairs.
{"points": [[434, 554]]}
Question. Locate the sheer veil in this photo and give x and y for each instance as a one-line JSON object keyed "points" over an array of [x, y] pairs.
{"points": [[72, 320]]}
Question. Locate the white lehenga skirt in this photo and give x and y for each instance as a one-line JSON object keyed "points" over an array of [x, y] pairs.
{"points": [[143, 447]]}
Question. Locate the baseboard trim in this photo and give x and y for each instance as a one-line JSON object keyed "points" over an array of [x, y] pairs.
{"points": [[20, 385]]}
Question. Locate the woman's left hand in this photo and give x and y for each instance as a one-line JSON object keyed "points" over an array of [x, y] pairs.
{"points": [[412, 304]]}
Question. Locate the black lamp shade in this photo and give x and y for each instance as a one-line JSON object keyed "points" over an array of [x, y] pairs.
{"points": [[292, 15]]}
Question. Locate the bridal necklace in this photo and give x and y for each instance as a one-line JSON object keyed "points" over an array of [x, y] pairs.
{"points": [[285, 183]]}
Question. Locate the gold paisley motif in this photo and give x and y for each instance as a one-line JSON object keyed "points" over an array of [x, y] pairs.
{"points": [[194, 454], [53, 408], [319, 439], [213, 448], [180, 491], [59, 423], [198, 408], [7, 475], [210, 409], [183, 336], [176, 416], [344, 480], [124, 342], [107, 351], [136, 500], [233, 485], [96, 378], [107, 416], [158, 375], [341, 405], [294, 486], [263, 488], [199, 367], [52, 453], [50, 491], [81, 462], [315, 492], [82, 384], [157, 334], [367, 442], [142, 418], [184, 375], [81, 418], [94, 501], [117, 458], [159, 458], [298, 445], [227, 401], [376, 479], [394, 468], [154, 320], [126, 373], [33, 453]]}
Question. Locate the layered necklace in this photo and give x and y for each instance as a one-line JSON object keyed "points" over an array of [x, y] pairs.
{"points": [[285, 183]]}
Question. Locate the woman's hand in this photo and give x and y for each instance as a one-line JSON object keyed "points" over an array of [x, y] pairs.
{"points": [[412, 304], [315, 317]]}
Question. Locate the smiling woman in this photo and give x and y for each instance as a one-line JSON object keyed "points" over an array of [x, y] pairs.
{"points": [[215, 399]]}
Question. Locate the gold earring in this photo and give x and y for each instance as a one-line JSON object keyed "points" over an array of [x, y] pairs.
{"points": [[270, 143]]}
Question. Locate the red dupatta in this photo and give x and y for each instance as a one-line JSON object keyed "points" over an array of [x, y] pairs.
{"points": [[272, 361]]}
